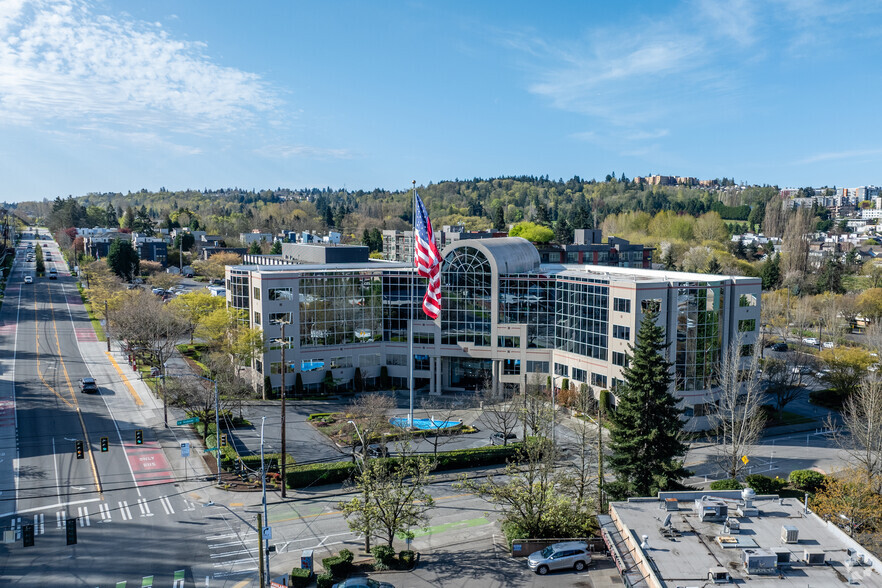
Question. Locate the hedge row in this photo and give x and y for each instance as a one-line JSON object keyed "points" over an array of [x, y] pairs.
{"points": [[340, 471]]}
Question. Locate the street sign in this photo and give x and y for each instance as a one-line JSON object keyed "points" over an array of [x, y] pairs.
{"points": [[189, 421], [744, 459], [185, 450], [267, 533]]}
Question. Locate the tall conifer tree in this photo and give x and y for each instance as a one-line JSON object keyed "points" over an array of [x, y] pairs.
{"points": [[645, 443]]}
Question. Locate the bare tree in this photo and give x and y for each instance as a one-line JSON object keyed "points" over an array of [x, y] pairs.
{"points": [[786, 377], [581, 470], [196, 396], [862, 419], [737, 416], [499, 412], [370, 412], [873, 337], [536, 408], [440, 411]]}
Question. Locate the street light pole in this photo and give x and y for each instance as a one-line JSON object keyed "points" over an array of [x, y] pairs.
{"points": [[284, 458], [217, 433], [264, 557], [107, 326]]}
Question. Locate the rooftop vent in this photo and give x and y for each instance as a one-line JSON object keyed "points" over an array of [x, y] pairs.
{"points": [[813, 557], [789, 534], [732, 526], [671, 504], [783, 556], [709, 508]]}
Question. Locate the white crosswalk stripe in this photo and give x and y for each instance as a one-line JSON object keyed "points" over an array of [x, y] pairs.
{"points": [[166, 505], [124, 511], [61, 516], [83, 516], [145, 508], [104, 511], [231, 553], [39, 529]]}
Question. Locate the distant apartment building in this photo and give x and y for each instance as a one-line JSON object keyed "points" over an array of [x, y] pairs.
{"points": [[255, 237], [151, 248], [588, 248]]}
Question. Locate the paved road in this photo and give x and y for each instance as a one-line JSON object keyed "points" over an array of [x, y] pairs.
{"points": [[136, 521]]}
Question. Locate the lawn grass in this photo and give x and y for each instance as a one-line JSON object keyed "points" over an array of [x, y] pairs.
{"points": [[790, 418], [96, 322]]}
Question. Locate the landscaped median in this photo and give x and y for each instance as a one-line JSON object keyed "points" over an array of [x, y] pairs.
{"points": [[300, 476]]}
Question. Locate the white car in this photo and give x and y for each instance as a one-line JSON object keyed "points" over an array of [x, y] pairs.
{"points": [[28, 279], [811, 341]]}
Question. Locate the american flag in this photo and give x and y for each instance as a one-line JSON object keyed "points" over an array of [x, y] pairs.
{"points": [[427, 260]]}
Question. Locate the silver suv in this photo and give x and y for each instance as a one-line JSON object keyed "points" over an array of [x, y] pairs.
{"points": [[560, 556]]}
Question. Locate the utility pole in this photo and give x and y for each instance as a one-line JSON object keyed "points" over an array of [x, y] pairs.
{"points": [[284, 456], [600, 456], [107, 326], [260, 548]]}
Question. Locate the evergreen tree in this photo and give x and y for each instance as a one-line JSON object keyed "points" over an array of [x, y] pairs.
{"points": [[254, 248], [668, 260], [498, 217], [645, 442], [830, 279], [277, 248], [563, 234], [713, 265], [129, 218], [112, 220], [771, 272], [123, 260]]}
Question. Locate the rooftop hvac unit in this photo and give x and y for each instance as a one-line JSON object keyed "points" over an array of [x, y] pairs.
{"points": [[789, 534], [813, 557], [672, 504], [760, 561], [718, 575], [783, 556], [709, 508]]}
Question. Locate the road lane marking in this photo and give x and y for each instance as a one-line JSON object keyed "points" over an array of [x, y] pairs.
{"points": [[55, 464], [61, 518], [179, 578], [15, 412], [39, 524], [147, 582], [48, 506], [124, 511], [104, 510], [125, 380], [83, 516], [39, 373], [167, 505], [145, 508]]}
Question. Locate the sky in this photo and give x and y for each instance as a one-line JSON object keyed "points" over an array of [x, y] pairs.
{"points": [[121, 95]]}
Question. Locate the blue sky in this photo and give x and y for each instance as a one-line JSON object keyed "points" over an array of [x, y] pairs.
{"points": [[120, 95]]}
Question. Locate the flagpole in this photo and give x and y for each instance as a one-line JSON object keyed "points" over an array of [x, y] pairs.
{"points": [[410, 305]]}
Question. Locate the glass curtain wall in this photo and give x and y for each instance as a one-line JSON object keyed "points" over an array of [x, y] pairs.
{"points": [[583, 317], [238, 286], [398, 301], [467, 290], [529, 299], [340, 308], [699, 336]]}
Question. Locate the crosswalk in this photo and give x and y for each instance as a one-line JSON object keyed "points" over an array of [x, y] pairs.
{"points": [[232, 545]]}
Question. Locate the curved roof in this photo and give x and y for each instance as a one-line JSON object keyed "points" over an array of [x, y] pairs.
{"points": [[509, 255]]}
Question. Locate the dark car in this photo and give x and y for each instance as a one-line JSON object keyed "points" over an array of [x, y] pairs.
{"points": [[88, 385], [500, 438], [779, 347]]}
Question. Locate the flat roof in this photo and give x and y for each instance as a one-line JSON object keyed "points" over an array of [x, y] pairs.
{"points": [[643, 275], [374, 264], [684, 553]]}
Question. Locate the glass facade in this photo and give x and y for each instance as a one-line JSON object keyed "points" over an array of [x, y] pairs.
{"points": [[699, 337], [466, 313], [529, 300], [397, 304], [338, 308], [582, 317]]}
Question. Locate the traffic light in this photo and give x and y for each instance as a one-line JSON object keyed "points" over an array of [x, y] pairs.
{"points": [[27, 535], [139, 437], [80, 454], [223, 439], [104, 447], [71, 531]]}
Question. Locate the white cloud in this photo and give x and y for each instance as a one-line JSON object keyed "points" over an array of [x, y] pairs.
{"points": [[288, 151], [62, 62], [837, 155]]}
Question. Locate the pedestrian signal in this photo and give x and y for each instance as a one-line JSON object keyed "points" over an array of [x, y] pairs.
{"points": [[71, 531]]}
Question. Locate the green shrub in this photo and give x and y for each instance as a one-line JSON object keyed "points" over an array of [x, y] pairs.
{"points": [[808, 480], [337, 566], [325, 580], [301, 476], [764, 484], [407, 558], [727, 484], [318, 416], [384, 555], [300, 578], [347, 555]]}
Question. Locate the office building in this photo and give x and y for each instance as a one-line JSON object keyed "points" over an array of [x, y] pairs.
{"points": [[505, 318]]}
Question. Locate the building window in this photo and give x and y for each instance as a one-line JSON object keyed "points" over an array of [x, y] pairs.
{"points": [[510, 342], [621, 332], [747, 300], [537, 367], [616, 382], [280, 294], [747, 325], [256, 293], [276, 343], [311, 365], [256, 318], [598, 380], [396, 359], [369, 360], [424, 338], [341, 362], [561, 370], [278, 318], [580, 375], [621, 305], [582, 316], [620, 359], [467, 283], [420, 362], [511, 367]]}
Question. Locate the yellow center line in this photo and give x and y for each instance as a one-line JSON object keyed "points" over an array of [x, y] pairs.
{"points": [[39, 373], [74, 396], [125, 380]]}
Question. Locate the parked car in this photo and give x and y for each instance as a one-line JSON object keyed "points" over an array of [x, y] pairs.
{"points": [[374, 450], [813, 341], [560, 556], [158, 291], [53, 274], [88, 385], [362, 582], [29, 279], [779, 347], [499, 438], [828, 345]]}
